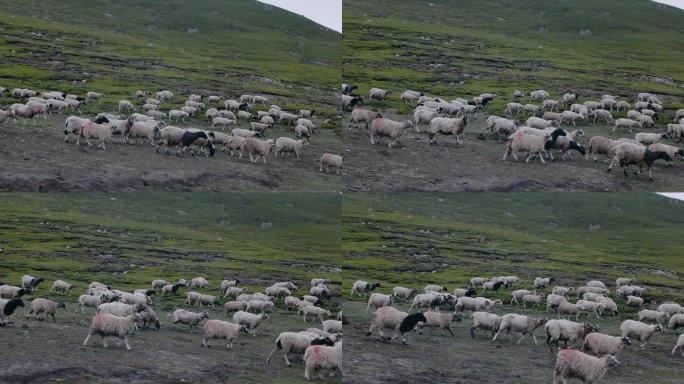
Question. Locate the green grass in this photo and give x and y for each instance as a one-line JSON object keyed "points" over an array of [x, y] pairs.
{"points": [[467, 49], [119, 47], [416, 239], [130, 239]]}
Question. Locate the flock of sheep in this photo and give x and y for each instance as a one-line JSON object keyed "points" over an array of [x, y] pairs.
{"points": [[599, 351], [119, 314], [541, 133], [151, 125]]}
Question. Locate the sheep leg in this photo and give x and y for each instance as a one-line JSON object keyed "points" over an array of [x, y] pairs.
{"points": [[128, 346], [523, 336]]}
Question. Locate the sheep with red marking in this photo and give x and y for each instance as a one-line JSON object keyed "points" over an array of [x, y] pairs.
{"points": [[321, 357], [571, 364]]}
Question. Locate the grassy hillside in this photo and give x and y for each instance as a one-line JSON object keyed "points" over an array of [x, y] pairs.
{"points": [[464, 49], [119, 46], [411, 240]]}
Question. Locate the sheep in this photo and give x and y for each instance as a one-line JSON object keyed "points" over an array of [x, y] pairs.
{"points": [[296, 343], [486, 321], [291, 302], [475, 304], [7, 308], [364, 287], [571, 117], [302, 304], [400, 322], [626, 123], [679, 346], [519, 324], [634, 301], [143, 130], [235, 305], [257, 147], [329, 160], [447, 126], [218, 329], [514, 108], [533, 144], [591, 307], [62, 286], [383, 127], [94, 95], [676, 131], [287, 145], [627, 154], [639, 331], [105, 324], [620, 281], [259, 305], [670, 308], [178, 115], [315, 311], [251, 320], [30, 283], [170, 136], [531, 108], [625, 290], [332, 326], [318, 357], [601, 145], [378, 93], [550, 105], [650, 316], [378, 300], [164, 95], [289, 118], [599, 344], [518, 294], [601, 114], [464, 292], [89, 301], [44, 307], [206, 300], [536, 122], [676, 321], [191, 111], [575, 364], [649, 138], [539, 95], [609, 305], [563, 291], [233, 291], [671, 151], [518, 93], [567, 331], [277, 291], [11, 292], [311, 299], [126, 105]]}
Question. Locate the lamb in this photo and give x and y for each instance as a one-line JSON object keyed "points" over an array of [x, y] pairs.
{"points": [[251, 320], [105, 324], [567, 331], [287, 145], [332, 326], [518, 294], [296, 343], [329, 160], [378, 93], [486, 321], [536, 122], [360, 115], [364, 287], [649, 138], [315, 311], [519, 324], [639, 331], [400, 322], [447, 126], [627, 154], [650, 316], [532, 144], [257, 147], [676, 321], [383, 127], [571, 363], [670, 308], [7, 308], [378, 300], [44, 307], [11, 292], [626, 123], [218, 329], [679, 346], [599, 344]]}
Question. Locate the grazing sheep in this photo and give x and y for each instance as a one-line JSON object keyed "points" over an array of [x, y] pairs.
{"points": [[320, 291], [679, 346], [531, 108], [411, 97], [171, 289], [42, 308], [571, 364], [676, 321], [7, 308], [287, 145], [539, 95], [126, 105], [520, 324], [94, 95], [634, 301], [106, 324], [360, 115], [332, 326], [288, 118], [568, 308], [233, 291], [639, 331], [164, 95], [563, 291], [567, 331], [302, 132], [232, 306], [486, 321], [601, 114], [670, 308], [676, 131], [447, 126], [620, 281], [363, 287], [378, 300], [392, 318], [590, 307], [329, 160], [383, 127], [11, 292], [599, 344], [277, 291], [120, 309], [650, 316], [218, 329], [251, 320], [296, 343], [378, 93], [518, 294], [89, 301], [62, 286], [571, 117], [627, 154], [514, 108], [315, 311]]}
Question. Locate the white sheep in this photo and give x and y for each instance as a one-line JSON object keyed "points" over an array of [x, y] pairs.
{"points": [[332, 326], [62, 286], [106, 324], [192, 319], [627, 154], [392, 318], [650, 316], [257, 147], [626, 123], [486, 321], [235, 305], [126, 105], [233, 291], [218, 329], [314, 311], [164, 95], [259, 305], [447, 126], [178, 115], [670, 150], [288, 145], [93, 130], [647, 138], [378, 300], [438, 320], [670, 308], [378, 93], [329, 160], [590, 307], [639, 331], [676, 321], [360, 115], [567, 331], [295, 343], [277, 291], [532, 144], [679, 346], [320, 357], [600, 344], [11, 291], [251, 320], [521, 324], [42, 308], [571, 364], [384, 127]]}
